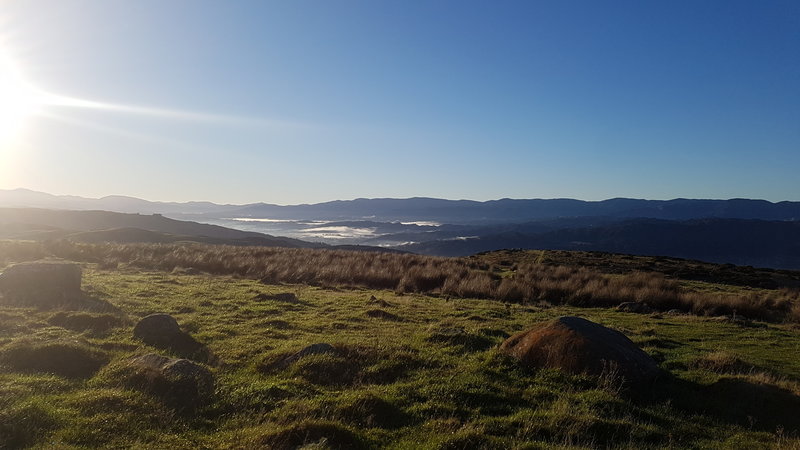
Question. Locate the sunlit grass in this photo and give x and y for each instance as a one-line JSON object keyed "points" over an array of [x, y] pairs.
{"points": [[399, 386]]}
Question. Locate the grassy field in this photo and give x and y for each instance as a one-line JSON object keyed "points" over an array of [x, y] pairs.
{"points": [[411, 371]]}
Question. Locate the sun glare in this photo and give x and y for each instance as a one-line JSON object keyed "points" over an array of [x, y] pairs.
{"points": [[18, 99]]}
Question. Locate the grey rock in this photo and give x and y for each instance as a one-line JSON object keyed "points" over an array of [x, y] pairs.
{"points": [[181, 383], [41, 283]]}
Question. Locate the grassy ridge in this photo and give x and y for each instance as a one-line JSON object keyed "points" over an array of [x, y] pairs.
{"points": [[521, 278], [402, 378]]}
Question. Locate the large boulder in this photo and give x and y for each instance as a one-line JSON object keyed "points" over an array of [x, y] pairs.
{"points": [[180, 383], [577, 346], [41, 283], [158, 330], [162, 331]]}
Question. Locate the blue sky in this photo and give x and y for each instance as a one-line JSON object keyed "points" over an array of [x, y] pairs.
{"points": [[308, 101]]}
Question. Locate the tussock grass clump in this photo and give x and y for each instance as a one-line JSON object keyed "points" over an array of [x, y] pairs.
{"points": [[114, 418], [24, 424], [67, 359], [457, 336], [97, 324], [368, 410], [327, 370], [722, 361], [345, 365]]}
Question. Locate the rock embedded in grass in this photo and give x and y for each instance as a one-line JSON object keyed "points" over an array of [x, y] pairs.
{"points": [[162, 331], [577, 345], [379, 302], [48, 285], [158, 330], [635, 307], [181, 383], [43, 283]]}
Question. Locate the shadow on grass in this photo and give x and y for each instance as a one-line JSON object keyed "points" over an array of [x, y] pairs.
{"points": [[734, 400]]}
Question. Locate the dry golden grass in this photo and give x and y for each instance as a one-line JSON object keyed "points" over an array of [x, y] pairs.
{"points": [[408, 273], [722, 361]]}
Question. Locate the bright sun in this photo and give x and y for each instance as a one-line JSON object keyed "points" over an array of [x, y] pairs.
{"points": [[18, 99]]}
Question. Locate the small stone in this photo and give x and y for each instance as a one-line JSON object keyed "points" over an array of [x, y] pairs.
{"points": [[162, 331], [635, 307]]}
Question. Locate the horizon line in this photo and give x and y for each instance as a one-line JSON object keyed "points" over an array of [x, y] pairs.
{"points": [[390, 198]]}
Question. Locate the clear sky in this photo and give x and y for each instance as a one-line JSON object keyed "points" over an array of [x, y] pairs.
{"points": [[306, 101]]}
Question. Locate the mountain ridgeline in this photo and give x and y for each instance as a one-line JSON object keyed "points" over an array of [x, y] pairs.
{"points": [[427, 209], [737, 231]]}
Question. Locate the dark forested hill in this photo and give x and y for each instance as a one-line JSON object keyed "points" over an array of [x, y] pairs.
{"points": [[509, 210], [745, 242]]}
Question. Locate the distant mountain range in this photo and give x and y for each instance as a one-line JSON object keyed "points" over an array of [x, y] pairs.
{"points": [[426, 209], [25, 198], [737, 231]]}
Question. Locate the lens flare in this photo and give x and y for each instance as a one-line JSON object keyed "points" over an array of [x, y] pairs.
{"points": [[18, 99]]}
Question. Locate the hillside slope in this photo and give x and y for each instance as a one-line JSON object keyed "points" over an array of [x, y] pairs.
{"points": [[94, 226], [773, 244]]}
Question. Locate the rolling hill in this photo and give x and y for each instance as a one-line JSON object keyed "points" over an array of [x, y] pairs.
{"points": [[745, 242], [104, 226]]}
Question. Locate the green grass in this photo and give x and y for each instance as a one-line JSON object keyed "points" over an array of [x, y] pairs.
{"points": [[398, 382]]}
